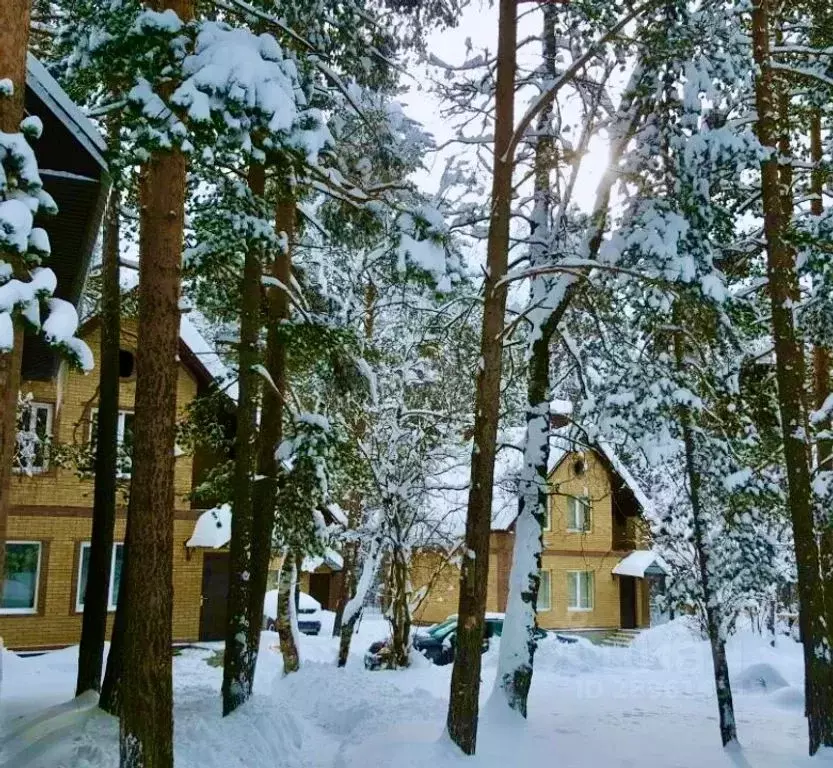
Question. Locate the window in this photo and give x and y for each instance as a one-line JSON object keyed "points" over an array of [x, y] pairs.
{"points": [[22, 577], [34, 429], [580, 590], [544, 593], [116, 561], [124, 436], [127, 364], [578, 514]]}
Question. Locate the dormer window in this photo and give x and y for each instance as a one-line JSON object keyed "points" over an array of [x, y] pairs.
{"points": [[127, 364]]}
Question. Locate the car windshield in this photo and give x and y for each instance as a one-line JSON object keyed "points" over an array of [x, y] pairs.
{"points": [[441, 629], [442, 632]]}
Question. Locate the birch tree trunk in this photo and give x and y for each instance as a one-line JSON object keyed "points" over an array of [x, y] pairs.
{"points": [[146, 724], [463, 703], [790, 376], [286, 621], [518, 643], [96, 594], [14, 42], [238, 660]]}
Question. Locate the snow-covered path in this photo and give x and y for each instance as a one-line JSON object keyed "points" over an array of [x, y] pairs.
{"points": [[650, 706]]}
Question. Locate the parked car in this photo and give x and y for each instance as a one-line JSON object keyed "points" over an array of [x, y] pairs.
{"points": [[437, 642], [309, 613]]}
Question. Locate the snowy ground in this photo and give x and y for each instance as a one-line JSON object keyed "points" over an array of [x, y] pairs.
{"points": [[650, 706]]}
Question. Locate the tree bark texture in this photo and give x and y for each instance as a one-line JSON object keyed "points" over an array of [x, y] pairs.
{"points": [[271, 422], [94, 623], [725, 705], [286, 621], [14, 42], [518, 645], [790, 376], [146, 724], [465, 677], [399, 611], [239, 661], [352, 549]]}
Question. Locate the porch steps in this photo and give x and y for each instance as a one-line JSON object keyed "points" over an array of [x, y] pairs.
{"points": [[619, 638]]}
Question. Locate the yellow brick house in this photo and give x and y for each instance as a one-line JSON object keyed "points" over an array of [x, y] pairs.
{"points": [[50, 517], [597, 572], [51, 506]]}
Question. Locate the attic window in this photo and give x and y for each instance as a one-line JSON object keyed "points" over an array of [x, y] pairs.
{"points": [[127, 364], [579, 467]]}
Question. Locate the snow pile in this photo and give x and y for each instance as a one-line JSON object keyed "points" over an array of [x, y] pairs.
{"points": [[588, 706], [762, 678]]}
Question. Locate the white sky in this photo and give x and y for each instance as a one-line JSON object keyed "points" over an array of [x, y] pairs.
{"points": [[479, 25]]}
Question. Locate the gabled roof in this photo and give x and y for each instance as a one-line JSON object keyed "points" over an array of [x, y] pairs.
{"points": [[51, 94], [194, 350], [71, 163], [195, 353], [608, 456]]}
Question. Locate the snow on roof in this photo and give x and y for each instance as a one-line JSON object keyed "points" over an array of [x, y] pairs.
{"points": [[212, 529], [330, 558], [207, 355], [636, 563], [625, 474], [561, 407], [48, 90]]}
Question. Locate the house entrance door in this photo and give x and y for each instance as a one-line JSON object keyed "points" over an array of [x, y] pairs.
{"points": [[627, 602], [215, 582]]}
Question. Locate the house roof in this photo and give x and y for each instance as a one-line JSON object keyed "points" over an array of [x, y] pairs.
{"points": [[195, 353], [48, 90], [562, 446], [71, 163], [565, 446], [640, 563]]}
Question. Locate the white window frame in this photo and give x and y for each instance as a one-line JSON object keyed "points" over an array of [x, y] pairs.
{"points": [[119, 437], [588, 512], [34, 609], [574, 598], [32, 426], [548, 517], [544, 608], [111, 603]]}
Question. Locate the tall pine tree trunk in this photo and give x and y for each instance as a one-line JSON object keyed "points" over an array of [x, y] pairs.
{"points": [[821, 375], [146, 724], [714, 625], [239, 662], [271, 420], [463, 703], [96, 594], [14, 42], [790, 373]]}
